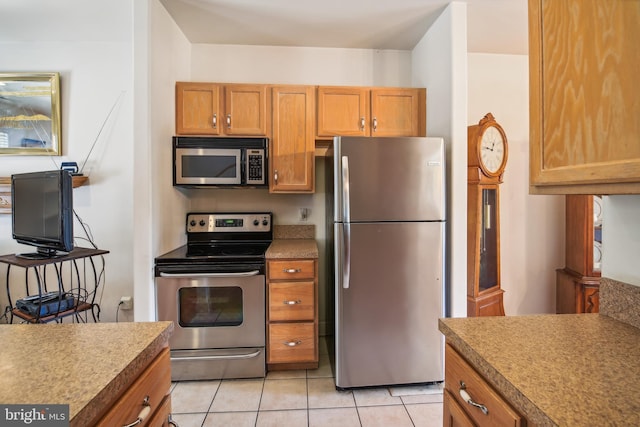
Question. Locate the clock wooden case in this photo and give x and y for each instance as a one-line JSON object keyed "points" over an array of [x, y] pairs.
{"points": [[487, 158]]}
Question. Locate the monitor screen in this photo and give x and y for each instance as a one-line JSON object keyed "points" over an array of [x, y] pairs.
{"points": [[42, 208]]}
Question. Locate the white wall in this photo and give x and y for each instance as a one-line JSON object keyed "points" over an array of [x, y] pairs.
{"points": [[440, 65], [532, 229], [96, 75]]}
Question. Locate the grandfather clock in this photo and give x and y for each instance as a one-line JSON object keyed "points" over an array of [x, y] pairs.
{"points": [[487, 158]]}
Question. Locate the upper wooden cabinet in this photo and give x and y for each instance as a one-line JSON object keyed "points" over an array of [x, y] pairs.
{"points": [[292, 148], [358, 111], [216, 109], [584, 108]]}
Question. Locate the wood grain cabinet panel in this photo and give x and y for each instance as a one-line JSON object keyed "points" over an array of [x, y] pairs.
{"points": [[292, 314], [215, 109], [584, 91], [150, 389], [292, 148], [459, 375], [363, 111]]}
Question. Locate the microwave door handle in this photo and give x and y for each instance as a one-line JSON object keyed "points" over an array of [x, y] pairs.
{"points": [[346, 226], [191, 275]]}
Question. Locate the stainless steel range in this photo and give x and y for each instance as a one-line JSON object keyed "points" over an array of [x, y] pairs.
{"points": [[213, 289]]}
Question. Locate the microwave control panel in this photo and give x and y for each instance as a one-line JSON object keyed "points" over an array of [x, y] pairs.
{"points": [[255, 167]]}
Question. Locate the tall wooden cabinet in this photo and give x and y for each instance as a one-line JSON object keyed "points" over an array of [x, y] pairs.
{"points": [[362, 111], [584, 91], [222, 109], [577, 284], [292, 148]]}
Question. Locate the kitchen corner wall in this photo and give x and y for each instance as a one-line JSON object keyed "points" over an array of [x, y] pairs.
{"points": [[532, 226], [92, 51]]}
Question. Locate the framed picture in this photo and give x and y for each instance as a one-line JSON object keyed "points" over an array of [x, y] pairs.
{"points": [[30, 114], [5, 199]]}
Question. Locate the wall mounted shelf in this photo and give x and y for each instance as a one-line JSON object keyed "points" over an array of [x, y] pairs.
{"points": [[78, 180]]}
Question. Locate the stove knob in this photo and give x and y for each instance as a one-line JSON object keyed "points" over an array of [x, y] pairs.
{"points": [[256, 222], [265, 222], [202, 223], [192, 223]]}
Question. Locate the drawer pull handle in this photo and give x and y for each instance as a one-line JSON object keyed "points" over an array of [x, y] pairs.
{"points": [[292, 302], [292, 270], [292, 343], [144, 413], [467, 398]]}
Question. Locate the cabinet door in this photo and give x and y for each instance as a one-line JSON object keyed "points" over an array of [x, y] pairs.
{"points": [[454, 415], [585, 114], [292, 158], [246, 110], [198, 109], [343, 111], [398, 112]]}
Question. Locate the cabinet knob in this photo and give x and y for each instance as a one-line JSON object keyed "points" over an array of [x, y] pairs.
{"points": [[275, 176], [362, 123], [292, 302], [375, 124], [214, 120], [229, 121], [292, 343], [467, 398], [291, 270]]}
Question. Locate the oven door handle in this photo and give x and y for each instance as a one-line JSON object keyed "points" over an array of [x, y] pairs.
{"points": [[233, 356], [191, 275]]}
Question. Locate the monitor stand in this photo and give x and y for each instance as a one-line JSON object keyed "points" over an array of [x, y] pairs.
{"points": [[42, 253]]}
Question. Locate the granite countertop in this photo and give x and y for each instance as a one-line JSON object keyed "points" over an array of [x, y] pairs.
{"points": [[573, 369], [83, 365], [293, 241]]}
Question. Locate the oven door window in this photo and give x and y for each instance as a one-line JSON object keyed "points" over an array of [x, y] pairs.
{"points": [[210, 306], [206, 166]]}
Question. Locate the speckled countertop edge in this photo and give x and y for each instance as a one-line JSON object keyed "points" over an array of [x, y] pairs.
{"points": [[556, 369], [293, 242], [83, 365]]}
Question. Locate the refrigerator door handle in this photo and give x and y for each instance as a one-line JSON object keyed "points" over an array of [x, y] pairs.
{"points": [[346, 200], [346, 266], [346, 206]]}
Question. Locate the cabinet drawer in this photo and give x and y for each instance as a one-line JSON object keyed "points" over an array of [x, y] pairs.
{"points": [[457, 372], [154, 383], [291, 301], [291, 269], [292, 343]]}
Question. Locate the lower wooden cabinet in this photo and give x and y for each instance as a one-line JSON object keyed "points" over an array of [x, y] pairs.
{"points": [[147, 398], [576, 293], [292, 314], [469, 398]]}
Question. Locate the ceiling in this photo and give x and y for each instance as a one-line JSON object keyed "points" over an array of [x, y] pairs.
{"points": [[493, 26]]}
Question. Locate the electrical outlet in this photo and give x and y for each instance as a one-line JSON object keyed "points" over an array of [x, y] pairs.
{"points": [[126, 303], [304, 214]]}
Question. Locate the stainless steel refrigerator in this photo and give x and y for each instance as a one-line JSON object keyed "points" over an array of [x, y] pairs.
{"points": [[388, 235]]}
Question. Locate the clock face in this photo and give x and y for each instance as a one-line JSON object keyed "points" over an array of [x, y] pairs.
{"points": [[492, 150]]}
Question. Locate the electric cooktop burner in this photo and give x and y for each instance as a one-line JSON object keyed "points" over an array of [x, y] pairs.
{"points": [[223, 238]]}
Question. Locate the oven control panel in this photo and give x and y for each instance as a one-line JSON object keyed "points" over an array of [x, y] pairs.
{"points": [[228, 222]]}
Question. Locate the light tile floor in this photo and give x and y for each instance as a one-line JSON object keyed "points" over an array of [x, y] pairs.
{"points": [[298, 398]]}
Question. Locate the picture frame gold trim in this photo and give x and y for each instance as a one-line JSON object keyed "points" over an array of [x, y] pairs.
{"points": [[30, 114]]}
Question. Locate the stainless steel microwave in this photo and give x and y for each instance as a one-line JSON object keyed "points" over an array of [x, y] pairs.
{"points": [[220, 162]]}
